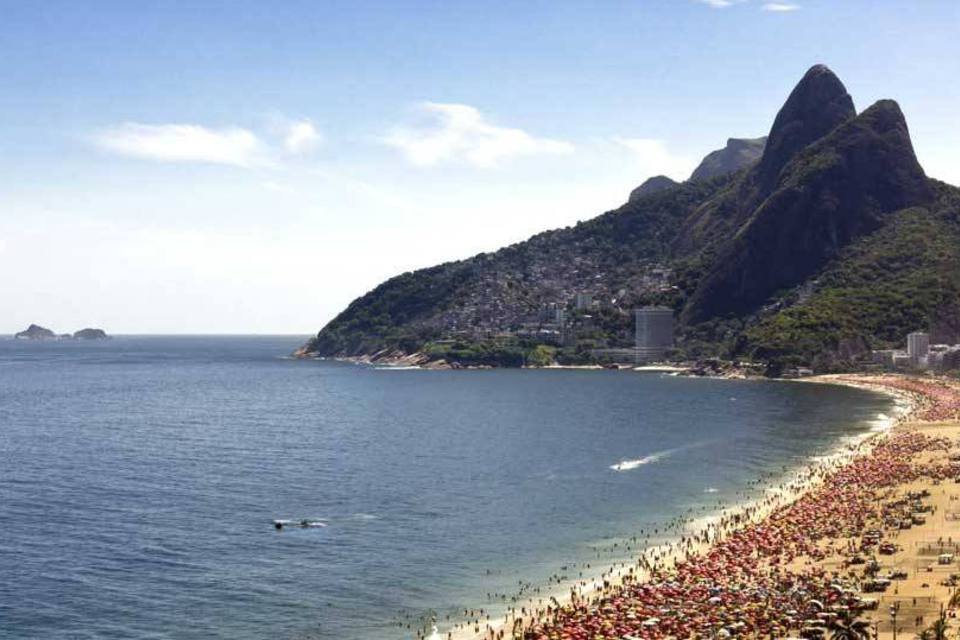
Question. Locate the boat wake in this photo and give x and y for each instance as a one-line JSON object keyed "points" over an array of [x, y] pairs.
{"points": [[627, 465]]}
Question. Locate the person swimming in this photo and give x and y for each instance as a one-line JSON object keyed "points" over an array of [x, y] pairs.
{"points": [[304, 523]]}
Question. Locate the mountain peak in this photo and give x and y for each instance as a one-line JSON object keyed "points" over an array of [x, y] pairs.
{"points": [[886, 115], [650, 186], [831, 193], [816, 106], [738, 153]]}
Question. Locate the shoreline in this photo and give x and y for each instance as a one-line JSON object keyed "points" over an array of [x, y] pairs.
{"points": [[779, 493]]}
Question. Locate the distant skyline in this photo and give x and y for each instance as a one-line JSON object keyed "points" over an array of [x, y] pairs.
{"points": [[250, 167]]}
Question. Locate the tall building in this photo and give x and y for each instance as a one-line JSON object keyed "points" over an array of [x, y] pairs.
{"points": [[560, 316], [654, 332], [918, 346], [583, 301]]}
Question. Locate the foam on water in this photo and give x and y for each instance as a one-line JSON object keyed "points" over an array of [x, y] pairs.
{"points": [[627, 465]]}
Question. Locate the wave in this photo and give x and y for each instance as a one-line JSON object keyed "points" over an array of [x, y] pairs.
{"points": [[627, 465], [882, 422]]}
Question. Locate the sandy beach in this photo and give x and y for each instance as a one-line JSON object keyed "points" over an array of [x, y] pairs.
{"points": [[821, 536]]}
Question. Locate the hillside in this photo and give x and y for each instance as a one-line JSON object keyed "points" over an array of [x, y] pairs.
{"points": [[831, 242], [609, 258]]}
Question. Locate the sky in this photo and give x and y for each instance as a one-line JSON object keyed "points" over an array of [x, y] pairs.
{"points": [[252, 167]]}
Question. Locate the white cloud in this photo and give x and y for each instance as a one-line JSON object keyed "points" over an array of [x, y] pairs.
{"points": [[460, 133], [654, 158], [183, 143], [301, 136], [279, 187], [780, 7]]}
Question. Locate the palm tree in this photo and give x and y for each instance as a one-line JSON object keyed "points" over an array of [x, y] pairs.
{"points": [[848, 627], [939, 629]]}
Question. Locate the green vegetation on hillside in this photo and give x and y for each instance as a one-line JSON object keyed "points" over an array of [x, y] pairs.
{"points": [[893, 282]]}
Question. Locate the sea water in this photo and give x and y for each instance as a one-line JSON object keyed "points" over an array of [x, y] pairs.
{"points": [[140, 478]]}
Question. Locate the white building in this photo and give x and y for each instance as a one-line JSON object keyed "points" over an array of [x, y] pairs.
{"points": [[918, 347]]}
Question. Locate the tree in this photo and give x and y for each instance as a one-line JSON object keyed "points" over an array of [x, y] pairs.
{"points": [[939, 629], [541, 356], [848, 627]]}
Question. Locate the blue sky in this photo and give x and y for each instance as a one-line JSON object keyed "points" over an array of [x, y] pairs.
{"points": [[251, 167]]}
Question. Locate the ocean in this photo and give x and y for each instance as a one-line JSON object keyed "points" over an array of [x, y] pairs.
{"points": [[140, 477]]}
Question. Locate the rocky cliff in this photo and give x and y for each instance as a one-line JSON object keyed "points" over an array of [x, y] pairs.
{"points": [[738, 154]]}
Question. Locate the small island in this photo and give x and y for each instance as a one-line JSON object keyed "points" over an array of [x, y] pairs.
{"points": [[36, 332], [90, 334]]}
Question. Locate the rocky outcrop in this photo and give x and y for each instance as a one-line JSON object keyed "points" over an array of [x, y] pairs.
{"points": [[739, 153], [35, 332], [830, 194], [816, 106], [651, 186], [91, 334]]}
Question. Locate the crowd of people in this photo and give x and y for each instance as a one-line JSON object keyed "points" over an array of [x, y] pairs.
{"points": [[748, 583], [754, 572], [939, 398]]}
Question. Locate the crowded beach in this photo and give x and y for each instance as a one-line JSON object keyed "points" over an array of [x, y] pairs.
{"points": [[862, 544]]}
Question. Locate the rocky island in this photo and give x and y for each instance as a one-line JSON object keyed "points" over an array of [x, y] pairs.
{"points": [[36, 332], [90, 334]]}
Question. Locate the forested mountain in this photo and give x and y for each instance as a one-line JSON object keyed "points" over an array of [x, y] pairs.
{"points": [[833, 241]]}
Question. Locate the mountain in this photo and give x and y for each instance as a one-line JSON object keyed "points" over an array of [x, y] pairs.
{"points": [[651, 186], [817, 105], [831, 242], [827, 195], [35, 332], [739, 153]]}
